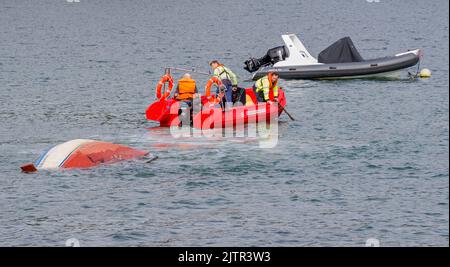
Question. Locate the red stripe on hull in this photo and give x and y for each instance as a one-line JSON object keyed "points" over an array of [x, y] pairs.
{"points": [[95, 153]]}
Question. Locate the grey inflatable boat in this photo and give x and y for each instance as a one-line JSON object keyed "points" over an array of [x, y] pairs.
{"points": [[340, 60]]}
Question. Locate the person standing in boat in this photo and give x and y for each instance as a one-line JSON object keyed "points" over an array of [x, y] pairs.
{"points": [[186, 89], [266, 88], [228, 78]]}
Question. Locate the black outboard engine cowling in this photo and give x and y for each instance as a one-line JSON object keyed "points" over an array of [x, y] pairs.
{"points": [[272, 56]]}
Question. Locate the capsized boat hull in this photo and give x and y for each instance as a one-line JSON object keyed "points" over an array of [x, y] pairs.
{"points": [[82, 153]]}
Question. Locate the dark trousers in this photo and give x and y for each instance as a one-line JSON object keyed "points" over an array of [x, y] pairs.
{"points": [[259, 95], [239, 96], [228, 91]]}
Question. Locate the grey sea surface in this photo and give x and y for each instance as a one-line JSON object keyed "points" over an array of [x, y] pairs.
{"points": [[363, 159]]}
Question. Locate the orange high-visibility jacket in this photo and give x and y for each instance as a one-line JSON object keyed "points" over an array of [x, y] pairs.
{"points": [[186, 89]]}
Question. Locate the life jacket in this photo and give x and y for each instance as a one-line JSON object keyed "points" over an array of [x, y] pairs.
{"points": [[186, 88], [221, 71], [266, 86], [225, 75]]}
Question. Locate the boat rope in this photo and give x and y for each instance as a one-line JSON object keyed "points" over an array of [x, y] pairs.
{"points": [[417, 74], [152, 159], [417, 70]]}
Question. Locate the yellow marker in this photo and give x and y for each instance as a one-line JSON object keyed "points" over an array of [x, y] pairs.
{"points": [[425, 73]]}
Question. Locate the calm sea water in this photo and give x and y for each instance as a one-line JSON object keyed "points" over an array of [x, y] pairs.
{"points": [[365, 158]]}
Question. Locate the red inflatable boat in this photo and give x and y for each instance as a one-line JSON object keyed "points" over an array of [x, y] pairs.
{"points": [[211, 115]]}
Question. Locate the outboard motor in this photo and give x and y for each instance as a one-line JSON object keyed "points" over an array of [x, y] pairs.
{"points": [[272, 56]]}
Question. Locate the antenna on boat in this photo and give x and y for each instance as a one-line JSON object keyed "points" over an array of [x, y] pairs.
{"points": [[191, 70]]}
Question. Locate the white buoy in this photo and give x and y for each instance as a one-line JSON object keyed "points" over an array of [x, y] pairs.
{"points": [[425, 73]]}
